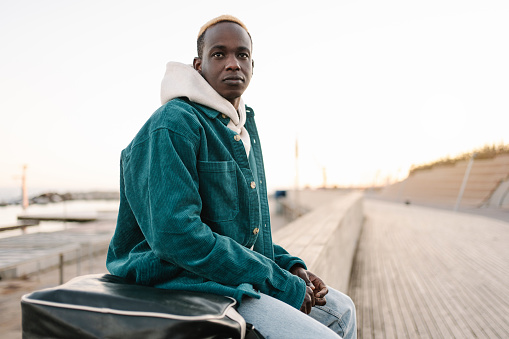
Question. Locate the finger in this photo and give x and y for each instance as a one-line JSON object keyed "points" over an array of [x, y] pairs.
{"points": [[308, 282], [312, 297], [306, 307], [309, 301], [304, 277], [323, 291], [316, 281], [320, 301]]}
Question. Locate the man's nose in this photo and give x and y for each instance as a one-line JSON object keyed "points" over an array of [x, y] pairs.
{"points": [[232, 64]]}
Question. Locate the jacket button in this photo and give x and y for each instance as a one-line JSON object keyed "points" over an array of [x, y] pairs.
{"points": [[236, 137], [223, 115], [253, 184], [255, 231]]}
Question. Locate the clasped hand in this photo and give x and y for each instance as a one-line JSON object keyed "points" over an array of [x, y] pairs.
{"points": [[315, 289]]}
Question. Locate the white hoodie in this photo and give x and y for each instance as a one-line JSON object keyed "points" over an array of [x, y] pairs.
{"points": [[181, 80]]}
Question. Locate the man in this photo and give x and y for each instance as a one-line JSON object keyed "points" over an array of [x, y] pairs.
{"points": [[193, 205]]}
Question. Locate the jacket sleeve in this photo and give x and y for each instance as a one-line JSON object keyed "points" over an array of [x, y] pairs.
{"points": [[286, 260], [161, 185]]}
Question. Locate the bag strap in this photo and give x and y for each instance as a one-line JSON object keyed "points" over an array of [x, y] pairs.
{"points": [[252, 332]]}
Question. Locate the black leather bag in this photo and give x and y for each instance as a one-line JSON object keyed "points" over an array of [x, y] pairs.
{"points": [[106, 306]]}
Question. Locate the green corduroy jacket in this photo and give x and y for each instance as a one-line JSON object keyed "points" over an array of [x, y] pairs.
{"points": [[191, 209]]}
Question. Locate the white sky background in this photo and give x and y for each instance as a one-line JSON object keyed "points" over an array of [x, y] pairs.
{"points": [[368, 87]]}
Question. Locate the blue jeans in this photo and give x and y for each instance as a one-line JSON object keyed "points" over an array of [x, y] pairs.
{"points": [[277, 320]]}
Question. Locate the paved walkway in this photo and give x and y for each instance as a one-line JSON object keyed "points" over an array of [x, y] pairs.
{"points": [[428, 273]]}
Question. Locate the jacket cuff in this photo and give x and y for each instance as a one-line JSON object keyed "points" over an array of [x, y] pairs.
{"points": [[294, 292], [295, 261]]}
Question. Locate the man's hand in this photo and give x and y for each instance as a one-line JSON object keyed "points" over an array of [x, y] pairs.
{"points": [[315, 288], [320, 289], [309, 301], [309, 298]]}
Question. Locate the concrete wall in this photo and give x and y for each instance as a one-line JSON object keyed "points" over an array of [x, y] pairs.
{"points": [[440, 185], [326, 238]]}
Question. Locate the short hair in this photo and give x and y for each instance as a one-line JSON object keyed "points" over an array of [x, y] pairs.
{"points": [[200, 42]]}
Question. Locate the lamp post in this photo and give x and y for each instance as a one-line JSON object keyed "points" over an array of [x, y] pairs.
{"points": [[24, 193]]}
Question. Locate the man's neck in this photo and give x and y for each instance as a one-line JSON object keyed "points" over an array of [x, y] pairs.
{"points": [[235, 102]]}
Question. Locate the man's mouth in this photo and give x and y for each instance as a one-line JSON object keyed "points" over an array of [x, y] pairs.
{"points": [[233, 80]]}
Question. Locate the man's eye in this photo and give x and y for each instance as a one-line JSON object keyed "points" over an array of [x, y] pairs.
{"points": [[217, 55], [244, 55]]}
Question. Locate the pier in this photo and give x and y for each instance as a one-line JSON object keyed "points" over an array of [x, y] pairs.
{"points": [[417, 272]]}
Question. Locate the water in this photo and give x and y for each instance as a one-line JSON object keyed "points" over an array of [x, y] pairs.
{"points": [[8, 214]]}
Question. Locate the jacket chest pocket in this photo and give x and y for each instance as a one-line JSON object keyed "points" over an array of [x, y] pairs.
{"points": [[218, 190]]}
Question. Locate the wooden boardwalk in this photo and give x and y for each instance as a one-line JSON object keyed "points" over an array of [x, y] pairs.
{"points": [[428, 273]]}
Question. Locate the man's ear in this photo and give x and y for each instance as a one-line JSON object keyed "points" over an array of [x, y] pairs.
{"points": [[197, 64], [252, 67]]}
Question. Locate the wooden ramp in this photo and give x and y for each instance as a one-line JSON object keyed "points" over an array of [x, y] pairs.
{"points": [[427, 273]]}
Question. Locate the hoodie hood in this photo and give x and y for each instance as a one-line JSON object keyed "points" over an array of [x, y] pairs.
{"points": [[181, 80]]}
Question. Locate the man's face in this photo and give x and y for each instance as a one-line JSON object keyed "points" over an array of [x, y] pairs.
{"points": [[226, 63]]}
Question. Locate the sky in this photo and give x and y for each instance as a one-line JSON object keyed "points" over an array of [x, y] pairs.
{"points": [[368, 88]]}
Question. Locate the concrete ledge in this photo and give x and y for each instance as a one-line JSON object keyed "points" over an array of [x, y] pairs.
{"points": [[326, 238], [35, 261]]}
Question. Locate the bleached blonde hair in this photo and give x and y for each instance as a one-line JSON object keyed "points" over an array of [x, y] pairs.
{"points": [[215, 21]]}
